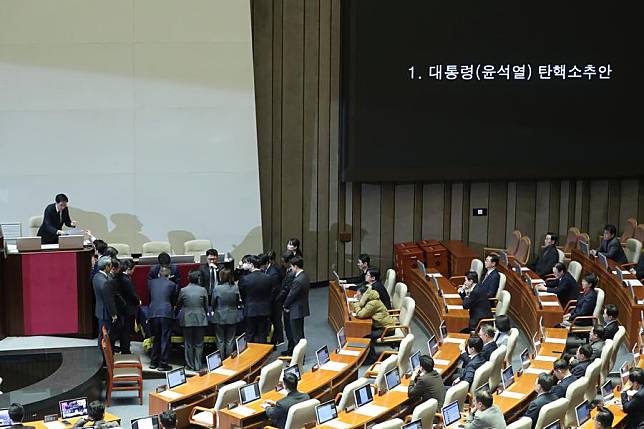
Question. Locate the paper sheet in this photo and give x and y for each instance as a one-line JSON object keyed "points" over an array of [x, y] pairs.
{"points": [[170, 394], [334, 366], [400, 388], [434, 275], [524, 269], [550, 303], [513, 395], [546, 294], [55, 425], [555, 340], [441, 362], [243, 411], [371, 410], [546, 358], [451, 295], [534, 371], [623, 272], [349, 352], [337, 424], [454, 307], [454, 340], [633, 282], [224, 371]]}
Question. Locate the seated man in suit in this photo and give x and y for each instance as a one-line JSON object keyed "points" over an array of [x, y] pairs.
{"points": [[486, 415], [491, 277], [475, 299], [542, 386], [363, 264], [562, 372], [426, 383], [210, 271], [586, 302], [580, 362], [277, 412], [610, 246], [474, 361], [633, 398], [95, 416], [165, 261], [17, 415], [564, 285], [56, 215], [597, 340], [373, 281], [611, 324], [549, 256], [604, 419]]}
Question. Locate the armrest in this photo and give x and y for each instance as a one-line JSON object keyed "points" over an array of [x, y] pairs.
{"points": [[394, 312], [393, 328], [371, 371], [407, 419], [457, 278], [198, 409], [337, 398], [256, 379], [285, 358], [490, 321], [578, 318], [625, 267], [571, 304]]}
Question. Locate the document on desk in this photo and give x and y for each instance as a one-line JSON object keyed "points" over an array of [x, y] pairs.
{"points": [[334, 366], [524, 269], [434, 275], [170, 394], [441, 362], [513, 395], [454, 307], [536, 371], [349, 352], [546, 358], [550, 303], [451, 295], [337, 424], [633, 282], [371, 410], [555, 340], [243, 411], [400, 388], [454, 340], [224, 371], [546, 294], [623, 272]]}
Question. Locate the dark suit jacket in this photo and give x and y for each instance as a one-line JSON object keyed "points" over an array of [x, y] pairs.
{"points": [[255, 289], [634, 408], [52, 222], [427, 386], [279, 412], [486, 352], [610, 329], [128, 293], [566, 288], [275, 274], [175, 276], [535, 406], [579, 369], [105, 305], [613, 250], [163, 297], [490, 282], [382, 292], [357, 280], [545, 261], [559, 389], [204, 269], [471, 367], [297, 300], [193, 299], [478, 304], [639, 269], [585, 307]]}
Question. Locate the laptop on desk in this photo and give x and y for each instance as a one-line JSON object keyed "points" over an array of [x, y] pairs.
{"points": [[28, 244], [71, 242]]}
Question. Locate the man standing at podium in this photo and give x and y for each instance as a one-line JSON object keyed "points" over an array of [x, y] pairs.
{"points": [[56, 215]]}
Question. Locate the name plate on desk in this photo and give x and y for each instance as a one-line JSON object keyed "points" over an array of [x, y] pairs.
{"points": [[170, 394], [546, 294], [633, 282], [550, 303], [451, 295], [441, 362], [349, 352], [337, 424]]}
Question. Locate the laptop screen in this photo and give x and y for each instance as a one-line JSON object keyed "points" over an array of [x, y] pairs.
{"points": [[342, 339], [325, 412], [323, 355], [503, 259], [249, 393], [583, 413], [583, 246], [413, 425], [73, 408], [554, 425], [421, 267], [485, 386], [5, 421], [414, 360], [432, 346], [525, 356], [213, 360], [241, 343], [602, 260], [451, 413], [363, 395], [443, 330], [607, 389], [176, 377], [293, 369], [507, 376], [149, 422], [392, 378], [623, 370]]}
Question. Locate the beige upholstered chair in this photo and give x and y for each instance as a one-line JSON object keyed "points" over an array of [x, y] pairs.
{"points": [[390, 281], [633, 251], [400, 292], [522, 423], [502, 281], [196, 248], [523, 250], [512, 344], [629, 229], [402, 357], [571, 240], [553, 411], [153, 248], [300, 414], [34, 225], [618, 340], [639, 233], [388, 364], [605, 357], [575, 396], [269, 376], [389, 424], [481, 376], [122, 248], [476, 265], [298, 355], [593, 373], [425, 412], [496, 359], [562, 255], [504, 303], [209, 417], [574, 268], [403, 327], [457, 393], [346, 398]]}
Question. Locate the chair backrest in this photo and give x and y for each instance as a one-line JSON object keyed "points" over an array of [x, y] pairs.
{"points": [[562, 255], [574, 268], [522, 423], [153, 248], [400, 291], [496, 359], [389, 424], [504, 303], [593, 374], [599, 305], [512, 344], [425, 412], [227, 393], [481, 376], [502, 280], [407, 311], [571, 239], [457, 393], [301, 414], [605, 357], [107, 355], [404, 351], [513, 242], [633, 250], [550, 412], [618, 340], [34, 224], [523, 250], [575, 396], [196, 248], [629, 229], [298, 354], [387, 365], [347, 400], [639, 233], [583, 236], [269, 376], [122, 248], [477, 266], [390, 281]]}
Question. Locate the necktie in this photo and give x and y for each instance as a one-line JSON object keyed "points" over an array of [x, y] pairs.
{"points": [[212, 277]]}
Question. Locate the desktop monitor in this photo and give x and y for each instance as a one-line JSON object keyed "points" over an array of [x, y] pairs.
{"points": [[414, 360], [603, 261], [5, 420], [516, 267], [149, 422], [176, 377], [363, 395], [583, 247], [392, 378], [322, 355], [416, 424], [421, 267], [607, 390], [451, 413], [70, 242], [619, 274], [432, 346], [249, 393], [554, 425], [240, 343], [293, 369], [525, 357], [325, 412], [342, 338], [582, 411], [213, 360], [443, 330], [73, 408], [507, 377]]}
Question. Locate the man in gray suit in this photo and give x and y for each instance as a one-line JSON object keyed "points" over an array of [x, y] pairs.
{"points": [[426, 383], [193, 306], [163, 296], [105, 310], [278, 411], [296, 304], [486, 414]]}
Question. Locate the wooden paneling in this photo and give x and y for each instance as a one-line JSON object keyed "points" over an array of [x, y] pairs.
{"points": [[296, 48]]}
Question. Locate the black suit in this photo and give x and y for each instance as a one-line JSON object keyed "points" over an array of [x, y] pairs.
{"points": [[209, 281], [545, 261], [585, 307], [478, 304], [175, 276], [127, 292], [255, 290], [357, 280], [53, 222], [536, 405], [639, 269], [427, 386], [579, 369], [276, 276], [634, 408], [490, 282], [105, 308], [565, 287], [470, 368], [613, 250], [163, 297], [286, 287], [560, 389], [610, 329], [297, 304], [279, 412], [382, 293]]}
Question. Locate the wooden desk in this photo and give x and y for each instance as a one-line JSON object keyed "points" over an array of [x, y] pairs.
{"points": [[338, 313], [40, 424], [616, 293], [460, 257], [618, 413], [202, 391], [321, 384]]}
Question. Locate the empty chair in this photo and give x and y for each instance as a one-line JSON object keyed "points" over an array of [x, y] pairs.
{"points": [[504, 303], [389, 424], [575, 396], [562, 255], [346, 398], [269, 376], [522, 423], [402, 357], [523, 250], [618, 340], [153, 248], [502, 280], [481, 376], [390, 281], [593, 373], [300, 414], [209, 417], [425, 412], [400, 292], [632, 250], [120, 378], [629, 229], [34, 225], [512, 344], [571, 240], [574, 268], [458, 393], [196, 248], [404, 323], [386, 365], [476, 265], [639, 233], [605, 357], [298, 355], [511, 245], [496, 359], [553, 411], [122, 248]]}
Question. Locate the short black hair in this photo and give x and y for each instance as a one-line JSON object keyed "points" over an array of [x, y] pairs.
{"points": [[168, 419], [611, 229], [96, 410], [636, 374], [374, 272], [612, 311], [554, 237], [494, 258], [16, 412], [362, 289], [194, 277], [116, 263], [262, 259], [605, 418], [297, 261], [426, 363], [502, 323], [290, 381], [365, 258], [61, 197], [586, 350], [246, 258], [561, 364], [484, 397], [270, 254], [254, 261], [488, 330], [287, 256], [546, 381], [164, 258], [111, 252], [472, 275], [294, 242], [599, 331], [591, 279], [561, 267], [476, 343], [127, 264], [100, 246], [212, 252]]}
